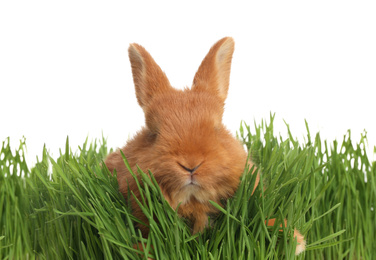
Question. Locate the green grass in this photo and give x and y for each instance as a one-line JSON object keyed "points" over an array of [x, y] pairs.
{"points": [[70, 207]]}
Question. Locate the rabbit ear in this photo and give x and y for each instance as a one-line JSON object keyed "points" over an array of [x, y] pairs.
{"points": [[149, 79], [214, 72]]}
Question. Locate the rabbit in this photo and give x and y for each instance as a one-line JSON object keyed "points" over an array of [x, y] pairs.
{"points": [[184, 143]]}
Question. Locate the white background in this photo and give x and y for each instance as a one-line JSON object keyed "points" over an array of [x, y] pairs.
{"points": [[64, 68]]}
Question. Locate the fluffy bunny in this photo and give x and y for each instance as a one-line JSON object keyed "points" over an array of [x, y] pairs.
{"points": [[191, 154]]}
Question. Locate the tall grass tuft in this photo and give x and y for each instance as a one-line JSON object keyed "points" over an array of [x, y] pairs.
{"points": [[70, 207]]}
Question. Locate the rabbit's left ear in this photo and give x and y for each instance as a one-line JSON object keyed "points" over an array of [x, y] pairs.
{"points": [[213, 75], [149, 79]]}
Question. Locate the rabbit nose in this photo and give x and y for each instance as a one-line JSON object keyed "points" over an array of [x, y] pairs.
{"points": [[190, 170]]}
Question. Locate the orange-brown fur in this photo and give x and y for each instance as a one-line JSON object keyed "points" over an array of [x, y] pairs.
{"points": [[183, 130]]}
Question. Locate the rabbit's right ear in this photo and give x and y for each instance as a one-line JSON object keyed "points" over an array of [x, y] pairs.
{"points": [[149, 79], [213, 75]]}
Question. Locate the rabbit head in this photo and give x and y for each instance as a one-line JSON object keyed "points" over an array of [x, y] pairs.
{"points": [[184, 143]]}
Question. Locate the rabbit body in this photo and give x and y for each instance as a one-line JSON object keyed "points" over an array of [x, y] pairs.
{"points": [[191, 154], [184, 143], [191, 158]]}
